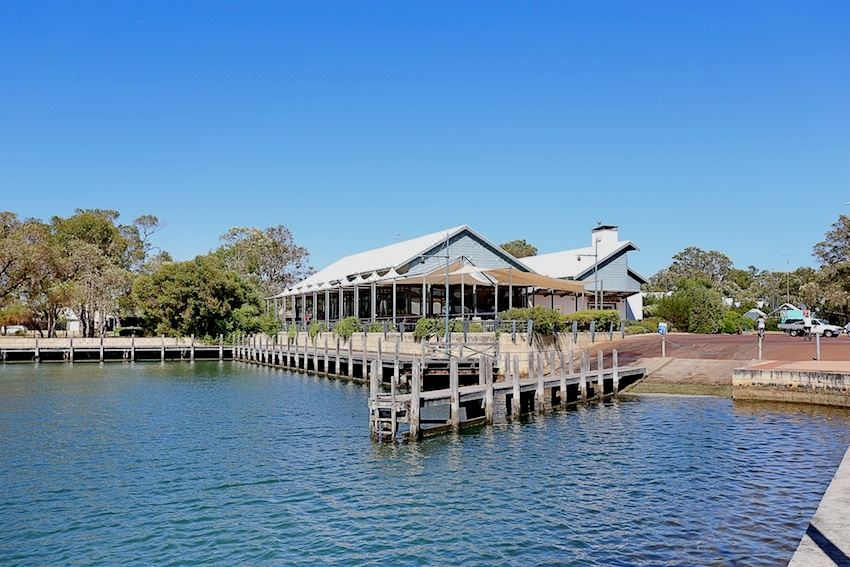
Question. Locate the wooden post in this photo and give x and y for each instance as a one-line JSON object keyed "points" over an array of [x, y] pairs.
{"points": [[817, 346], [599, 369], [132, 348], [455, 393], [101, 348], [192, 348], [539, 401], [221, 347], [374, 385], [37, 351], [396, 366], [326, 368], [516, 407], [365, 362], [316, 355], [162, 348], [351, 357], [415, 389], [482, 380], [582, 381], [336, 363], [71, 349], [288, 363], [380, 359], [488, 391], [563, 384], [615, 369]]}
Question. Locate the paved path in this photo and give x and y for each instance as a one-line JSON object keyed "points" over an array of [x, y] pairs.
{"points": [[827, 539]]}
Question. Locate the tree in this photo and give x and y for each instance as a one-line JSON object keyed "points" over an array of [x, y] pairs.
{"points": [[695, 263], [18, 259], [269, 257], [519, 248], [695, 307], [836, 247], [200, 297]]}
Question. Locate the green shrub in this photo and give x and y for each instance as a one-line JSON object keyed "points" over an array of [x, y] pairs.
{"points": [[605, 319], [544, 321], [292, 333], [426, 328], [734, 322], [647, 325], [315, 328], [348, 327], [476, 327], [695, 307]]}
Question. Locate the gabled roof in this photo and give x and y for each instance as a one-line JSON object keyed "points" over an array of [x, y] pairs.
{"points": [[393, 256], [578, 262]]}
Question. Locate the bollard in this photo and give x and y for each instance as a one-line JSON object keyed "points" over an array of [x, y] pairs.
{"points": [[817, 346], [663, 345], [760, 347]]}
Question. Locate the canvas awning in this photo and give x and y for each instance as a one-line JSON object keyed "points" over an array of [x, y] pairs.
{"points": [[507, 276]]}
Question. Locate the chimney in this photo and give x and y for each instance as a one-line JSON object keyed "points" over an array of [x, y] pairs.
{"points": [[607, 234]]}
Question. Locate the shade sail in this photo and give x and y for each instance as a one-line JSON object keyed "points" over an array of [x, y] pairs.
{"points": [[514, 277]]}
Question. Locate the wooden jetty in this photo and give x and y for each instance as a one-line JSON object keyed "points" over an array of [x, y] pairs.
{"points": [[111, 349], [396, 415]]}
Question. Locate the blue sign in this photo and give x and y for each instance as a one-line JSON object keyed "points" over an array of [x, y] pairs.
{"points": [[662, 328]]}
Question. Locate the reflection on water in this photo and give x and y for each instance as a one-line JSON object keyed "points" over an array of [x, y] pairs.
{"points": [[229, 463]]}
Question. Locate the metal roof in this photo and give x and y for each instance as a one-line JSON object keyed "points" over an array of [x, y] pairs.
{"points": [[576, 261]]}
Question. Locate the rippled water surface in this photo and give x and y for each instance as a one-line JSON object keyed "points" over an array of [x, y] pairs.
{"points": [[229, 463]]}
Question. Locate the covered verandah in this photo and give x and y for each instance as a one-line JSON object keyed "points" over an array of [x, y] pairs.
{"points": [[466, 290]]}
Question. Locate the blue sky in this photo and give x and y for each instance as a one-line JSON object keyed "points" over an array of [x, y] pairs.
{"points": [[724, 125]]}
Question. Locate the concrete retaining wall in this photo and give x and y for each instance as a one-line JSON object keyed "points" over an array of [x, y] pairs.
{"points": [[802, 386]]}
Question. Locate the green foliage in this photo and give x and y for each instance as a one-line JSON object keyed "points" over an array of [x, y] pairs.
{"points": [[315, 328], [292, 333], [647, 325], [347, 327], [695, 307], [476, 327], [426, 328], [519, 248], [605, 319], [733, 322], [706, 310], [544, 321], [548, 321], [199, 297]]}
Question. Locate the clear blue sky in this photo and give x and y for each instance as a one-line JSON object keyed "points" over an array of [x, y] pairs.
{"points": [[724, 125]]}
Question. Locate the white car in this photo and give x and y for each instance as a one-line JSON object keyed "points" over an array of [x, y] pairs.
{"points": [[14, 329], [821, 327]]}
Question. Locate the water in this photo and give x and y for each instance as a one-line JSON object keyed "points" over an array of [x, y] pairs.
{"points": [[231, 464]]}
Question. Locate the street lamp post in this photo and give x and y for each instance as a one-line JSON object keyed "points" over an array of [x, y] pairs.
{"points": [[595, 257]]}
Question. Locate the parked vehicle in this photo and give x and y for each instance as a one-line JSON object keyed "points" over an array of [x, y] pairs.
{"points": [[794, 327], [14, 330]]}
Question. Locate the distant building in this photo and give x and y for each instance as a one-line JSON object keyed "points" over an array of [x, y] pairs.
{"points": [[754, 314], [407, 280], [603, 268]]}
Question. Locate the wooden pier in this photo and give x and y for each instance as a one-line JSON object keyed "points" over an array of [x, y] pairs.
{"points": [[111, 349], [397, 415]]}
